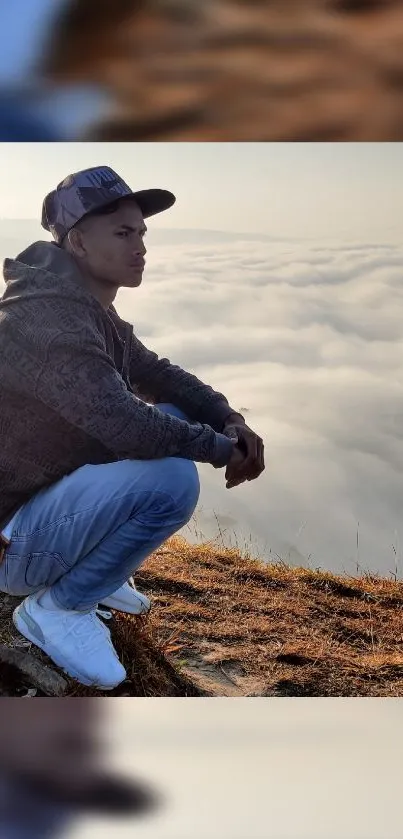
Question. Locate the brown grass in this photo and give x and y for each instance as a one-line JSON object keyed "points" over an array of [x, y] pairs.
{"points": [[224, 624]]}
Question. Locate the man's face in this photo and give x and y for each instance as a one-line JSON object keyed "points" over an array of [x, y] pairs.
{"points": [[113, 246]]}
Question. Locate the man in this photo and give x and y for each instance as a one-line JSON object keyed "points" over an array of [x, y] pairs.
{"points": [[93, 478]]}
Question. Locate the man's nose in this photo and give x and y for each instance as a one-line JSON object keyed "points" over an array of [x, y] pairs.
{"points": [[140, 247]]}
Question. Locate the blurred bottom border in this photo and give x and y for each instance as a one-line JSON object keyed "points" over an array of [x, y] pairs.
{"points": [[224, 768]]}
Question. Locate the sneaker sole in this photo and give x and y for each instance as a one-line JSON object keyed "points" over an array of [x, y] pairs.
{"points": [[54, 654]]}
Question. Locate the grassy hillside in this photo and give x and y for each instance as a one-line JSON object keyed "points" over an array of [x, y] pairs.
{"points": [[223, 624]]}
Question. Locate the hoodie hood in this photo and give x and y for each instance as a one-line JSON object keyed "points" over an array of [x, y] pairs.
{"points": [[46, 270]]}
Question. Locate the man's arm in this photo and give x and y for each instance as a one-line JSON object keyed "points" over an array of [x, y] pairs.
{"points": [[167, 382], [72, 373]]}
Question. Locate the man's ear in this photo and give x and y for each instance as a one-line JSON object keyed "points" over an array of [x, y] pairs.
{"points": [[76, 242]]}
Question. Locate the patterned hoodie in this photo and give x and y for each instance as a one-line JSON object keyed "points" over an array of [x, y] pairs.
{"points": [[72, 375]]}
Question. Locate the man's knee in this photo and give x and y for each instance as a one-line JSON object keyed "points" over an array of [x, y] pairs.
{"points": [[186, 485], [185, 474], [168, 408]]}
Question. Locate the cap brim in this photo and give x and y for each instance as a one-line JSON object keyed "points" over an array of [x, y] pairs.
{"points": [[153, 201], [150, 201]]}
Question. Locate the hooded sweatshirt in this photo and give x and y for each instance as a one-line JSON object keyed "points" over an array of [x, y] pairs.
{"points": [[71, 375]]}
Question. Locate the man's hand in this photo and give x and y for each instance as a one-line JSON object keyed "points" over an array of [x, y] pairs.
{"points": [[234, 473], [247, 461]]}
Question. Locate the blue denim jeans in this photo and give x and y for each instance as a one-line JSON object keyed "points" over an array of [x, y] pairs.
{"points": [[86, 534]]}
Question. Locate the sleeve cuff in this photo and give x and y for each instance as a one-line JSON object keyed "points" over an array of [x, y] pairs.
{"points": [[223, 450], [216, 414]]}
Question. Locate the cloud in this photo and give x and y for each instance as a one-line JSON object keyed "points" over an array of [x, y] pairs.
{"points": [[310, 340]]}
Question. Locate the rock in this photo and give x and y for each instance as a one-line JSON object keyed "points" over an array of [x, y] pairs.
{"points": [[41, 676]]}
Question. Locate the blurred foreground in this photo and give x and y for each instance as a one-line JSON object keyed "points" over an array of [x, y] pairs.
{"points": [[53, 769], [255, 768], [218, 70]]}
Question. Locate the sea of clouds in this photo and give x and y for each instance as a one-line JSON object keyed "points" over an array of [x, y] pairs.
{"points": [[305, 338]]}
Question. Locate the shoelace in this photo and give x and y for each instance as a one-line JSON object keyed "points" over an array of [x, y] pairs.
{"points": [[104, 614]]}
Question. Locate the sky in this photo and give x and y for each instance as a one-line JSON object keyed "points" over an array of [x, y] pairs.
{"points": [[279, 189], [258, 768], [275, 278]]}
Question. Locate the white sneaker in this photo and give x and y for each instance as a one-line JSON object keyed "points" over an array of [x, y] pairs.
{"points": [[128, 599], [78, 642]]}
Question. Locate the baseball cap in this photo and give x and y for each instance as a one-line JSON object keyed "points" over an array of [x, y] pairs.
{"points": [[90, 189]]}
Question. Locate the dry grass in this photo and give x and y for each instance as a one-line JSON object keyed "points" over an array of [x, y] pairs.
{"points": [[275, 630], [224, 624]]}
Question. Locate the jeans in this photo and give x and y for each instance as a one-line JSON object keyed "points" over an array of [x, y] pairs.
{"points": [[87, 533]]}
